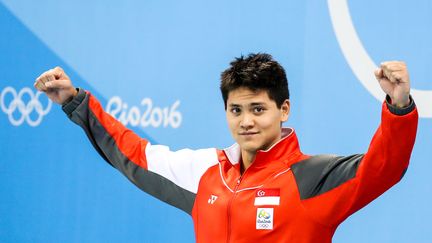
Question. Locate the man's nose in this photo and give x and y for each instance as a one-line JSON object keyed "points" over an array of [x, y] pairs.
{"points": [[247, 121]]}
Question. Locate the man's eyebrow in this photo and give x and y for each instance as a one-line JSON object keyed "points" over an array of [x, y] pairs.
{"points": [[257, 103], [251, 104]]}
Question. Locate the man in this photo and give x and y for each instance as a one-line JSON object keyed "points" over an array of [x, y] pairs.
{"points": [[263, 188]]}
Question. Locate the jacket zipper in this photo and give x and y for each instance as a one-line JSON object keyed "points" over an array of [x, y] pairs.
{"points": [[229, 208], [232, 199]]}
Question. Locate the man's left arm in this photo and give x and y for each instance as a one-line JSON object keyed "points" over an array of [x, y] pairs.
{"points": [[347, 184], [389, 153]]}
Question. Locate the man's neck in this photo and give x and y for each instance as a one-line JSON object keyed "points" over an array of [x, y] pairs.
{"points": [[246, 160]]}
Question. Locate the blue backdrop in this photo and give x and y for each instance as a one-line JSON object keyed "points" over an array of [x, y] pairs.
{"points": [[162, 60]]}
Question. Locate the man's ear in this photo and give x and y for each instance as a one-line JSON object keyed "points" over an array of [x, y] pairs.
{"points": [[285, 110]]}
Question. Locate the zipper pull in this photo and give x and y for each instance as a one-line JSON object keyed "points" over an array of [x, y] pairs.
{"points": [[238, 184]]}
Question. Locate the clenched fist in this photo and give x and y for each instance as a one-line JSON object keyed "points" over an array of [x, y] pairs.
{"points": [[57, 85], [394, 80]]}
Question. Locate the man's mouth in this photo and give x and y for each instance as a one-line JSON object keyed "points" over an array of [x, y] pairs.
{"points": [[247, 133]]}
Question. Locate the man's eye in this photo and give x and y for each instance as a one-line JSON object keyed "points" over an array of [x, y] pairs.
{"points": [[235, 110], [258, 109]]}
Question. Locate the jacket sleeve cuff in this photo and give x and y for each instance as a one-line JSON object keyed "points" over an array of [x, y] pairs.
{"points": [[400, 111], [69, 107]]}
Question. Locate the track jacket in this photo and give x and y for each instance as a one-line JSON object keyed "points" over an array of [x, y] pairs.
{"points": [[284, 196]]}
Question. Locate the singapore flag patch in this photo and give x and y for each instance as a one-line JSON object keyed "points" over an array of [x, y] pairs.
{"points": [[267, 197]]}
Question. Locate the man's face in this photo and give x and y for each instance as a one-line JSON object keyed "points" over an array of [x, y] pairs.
{"points": [[254, 119]]}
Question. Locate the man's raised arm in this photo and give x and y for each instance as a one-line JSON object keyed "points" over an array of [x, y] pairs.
{"points": [[172, 177]]}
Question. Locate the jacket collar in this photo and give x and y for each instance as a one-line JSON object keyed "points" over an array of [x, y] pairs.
{"points": [[282, 151]]}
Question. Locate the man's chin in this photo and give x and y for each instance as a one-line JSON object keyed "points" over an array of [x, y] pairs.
{"points": [[250, 148]]}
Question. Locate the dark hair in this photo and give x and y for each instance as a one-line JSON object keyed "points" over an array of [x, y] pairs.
{"points": [[256, 72]]}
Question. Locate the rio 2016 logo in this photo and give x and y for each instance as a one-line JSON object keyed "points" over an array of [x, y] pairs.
{"points": [[19, 110], [360, 61], [263, 214], [150, 116]]}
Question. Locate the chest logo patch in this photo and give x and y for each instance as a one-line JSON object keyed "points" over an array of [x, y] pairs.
{"points": [[264, 219], [212, 199], [267, 197]]}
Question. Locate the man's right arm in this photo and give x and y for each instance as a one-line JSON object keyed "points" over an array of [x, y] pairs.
{"points": [[172, 177]]}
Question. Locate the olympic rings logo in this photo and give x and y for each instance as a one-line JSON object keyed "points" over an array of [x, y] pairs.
{"points": [[18, 104]]}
